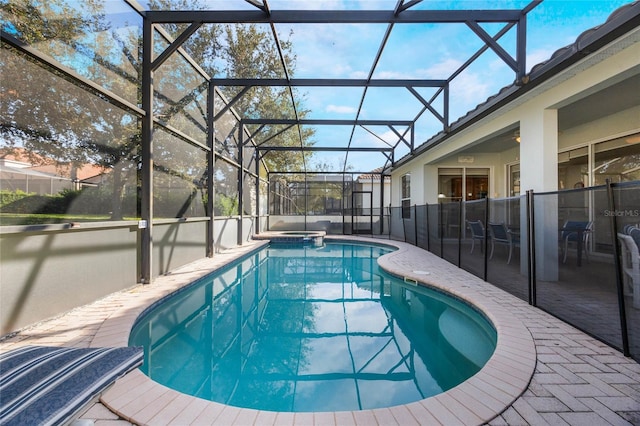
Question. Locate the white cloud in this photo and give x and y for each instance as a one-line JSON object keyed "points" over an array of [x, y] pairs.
{"points": [[442, 69], [467, 90], [538, 56], [392, 75], [333, 50], [391, 137], [380, 140], [358, 74], [340, 109]]}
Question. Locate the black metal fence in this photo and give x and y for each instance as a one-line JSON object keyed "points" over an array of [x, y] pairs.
{"points": [[562, 252]]}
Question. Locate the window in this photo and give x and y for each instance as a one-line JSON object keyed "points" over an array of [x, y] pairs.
{"points": [[573, 168], [476, 184], [514, 180], [617, 160], [449, 184], [455, 184], [406, 196]]}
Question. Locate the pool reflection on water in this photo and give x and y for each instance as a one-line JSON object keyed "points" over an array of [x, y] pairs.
{"points": [[312, 329]]}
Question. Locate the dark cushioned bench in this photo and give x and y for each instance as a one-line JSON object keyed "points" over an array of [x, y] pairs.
{"points": [[42, 385]]}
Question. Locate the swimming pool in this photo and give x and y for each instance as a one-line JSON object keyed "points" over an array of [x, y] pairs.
{"points": [[312, 329]]}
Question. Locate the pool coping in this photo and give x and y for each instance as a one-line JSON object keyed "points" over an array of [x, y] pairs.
{"points": [[478, 400]]}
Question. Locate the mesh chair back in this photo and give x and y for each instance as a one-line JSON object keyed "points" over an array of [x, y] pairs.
{"points": [[477, 230], [635, 234], [499, 231], [571, 226]]}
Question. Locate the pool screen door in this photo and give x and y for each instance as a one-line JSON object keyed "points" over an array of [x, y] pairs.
{"points": [[362, 212]]}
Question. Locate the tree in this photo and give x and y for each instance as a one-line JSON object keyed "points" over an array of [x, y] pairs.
{"points": [[248, 51], [54, 120]]}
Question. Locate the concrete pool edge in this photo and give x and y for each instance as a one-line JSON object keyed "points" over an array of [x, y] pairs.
{"points": [[478, 400]]}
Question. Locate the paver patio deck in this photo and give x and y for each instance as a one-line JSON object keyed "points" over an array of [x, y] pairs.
{"points": [[578, 380]]}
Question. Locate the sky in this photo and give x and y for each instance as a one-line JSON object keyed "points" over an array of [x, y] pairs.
{"points": [[413, 51]]}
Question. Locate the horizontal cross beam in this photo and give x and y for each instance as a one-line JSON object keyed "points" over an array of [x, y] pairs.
{"points": [[313, 122], [332, 16], [323, 149], [316, 82]]}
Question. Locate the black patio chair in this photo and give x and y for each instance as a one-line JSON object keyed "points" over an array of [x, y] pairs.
{"points": [[500, 234], [575, 232], [477, 233]]}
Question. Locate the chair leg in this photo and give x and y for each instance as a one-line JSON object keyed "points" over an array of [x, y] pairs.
{"points": [[566, 249], [586, 251], [510, 252], [492, 247], [473, 244], [627, 284]]}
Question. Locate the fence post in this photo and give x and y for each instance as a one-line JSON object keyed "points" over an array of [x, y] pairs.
{"points": [[426, 219], [460, 233], [415, 224], [486, 239], [441, 230], [404, 224], [531, 247], [616, 258]]}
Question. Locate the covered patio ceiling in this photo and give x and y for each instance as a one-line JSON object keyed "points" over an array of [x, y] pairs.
{"points": [[610, 99], [405, 90]]}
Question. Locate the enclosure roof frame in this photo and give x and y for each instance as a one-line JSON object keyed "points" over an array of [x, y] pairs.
{"points": [[401, 14]]}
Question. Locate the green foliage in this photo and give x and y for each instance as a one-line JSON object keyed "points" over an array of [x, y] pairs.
{"points": [[57, 122], [8, 197], [36, 204], [54, 121], [226, 205], [248, 51], [98, 201], [37, 21], [8, 219], [87, 201]]}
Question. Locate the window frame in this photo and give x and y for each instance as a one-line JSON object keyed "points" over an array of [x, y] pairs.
{"points": [[405, 195]]}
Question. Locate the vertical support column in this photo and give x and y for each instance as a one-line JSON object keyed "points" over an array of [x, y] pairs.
{"points": [[257, 226], [211, 162], [485, 266], [146, 213], [306, 198], [445, 107], [539, 146], [521, 50], [240, 182], [531, 248], [381, 201], [441, 230], [619, 278], [269, 197], [343, 207], [413, 138], [460, 225]]}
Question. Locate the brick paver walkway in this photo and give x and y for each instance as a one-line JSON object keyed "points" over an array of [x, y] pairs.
{"points": [[578, 380]]}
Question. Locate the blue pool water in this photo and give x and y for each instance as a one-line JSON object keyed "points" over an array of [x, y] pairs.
{"points": [[312, 329]]}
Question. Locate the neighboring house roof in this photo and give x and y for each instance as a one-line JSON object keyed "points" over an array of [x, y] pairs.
{"points": [[20, 158], [29, 172], [84, 172], [373, 175], [621, 21]]}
